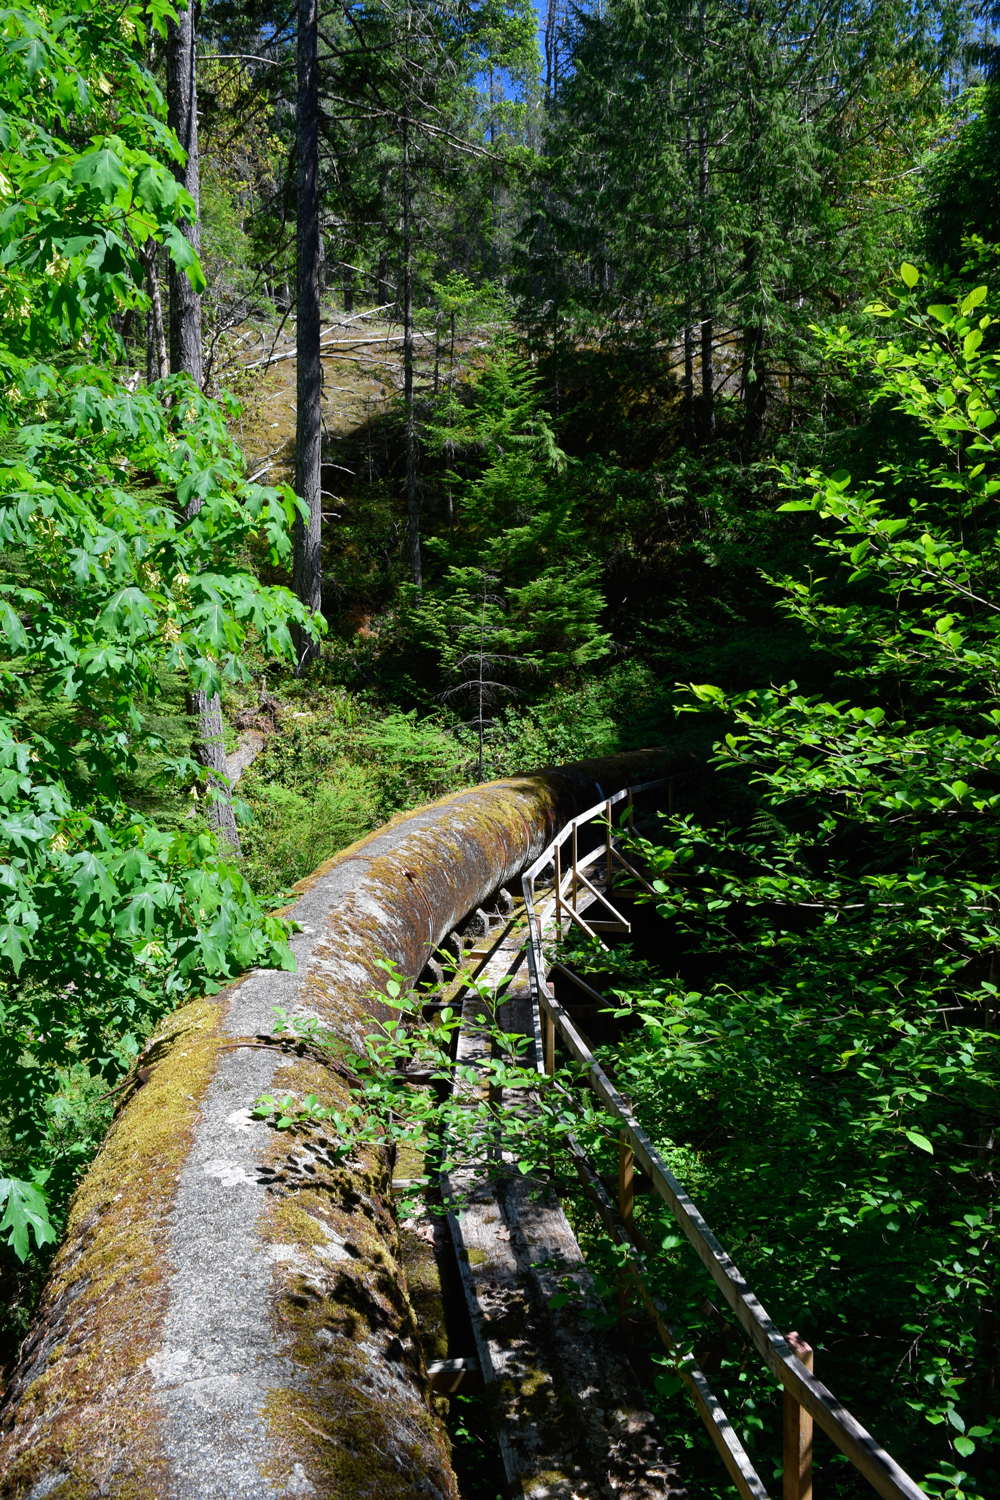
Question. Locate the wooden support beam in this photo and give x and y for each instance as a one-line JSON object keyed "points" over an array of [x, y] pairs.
{"points": [[449, 1376]]}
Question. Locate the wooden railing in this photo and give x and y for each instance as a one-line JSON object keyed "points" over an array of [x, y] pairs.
{"points": [[805, 1398]]}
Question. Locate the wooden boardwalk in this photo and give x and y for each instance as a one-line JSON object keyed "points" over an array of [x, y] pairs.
{"points": [[569, 1412]]}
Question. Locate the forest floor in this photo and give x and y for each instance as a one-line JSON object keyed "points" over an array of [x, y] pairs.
{"points": [[362, 377], [355, 390]]}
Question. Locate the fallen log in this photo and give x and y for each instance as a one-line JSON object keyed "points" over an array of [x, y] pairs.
{"points": [[227, 1317]]}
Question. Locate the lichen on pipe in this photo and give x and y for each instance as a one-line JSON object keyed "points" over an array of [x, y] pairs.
{"points": [[227, 1317]]}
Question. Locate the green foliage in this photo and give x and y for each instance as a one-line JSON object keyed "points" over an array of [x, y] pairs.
{"points": [[823, 1058], [717, 164], [330, 776], [26, 1213], [462, 1123], [291, 834], [80, 205], [514, 602], [963, 178], [410, 760], [106, 591]]}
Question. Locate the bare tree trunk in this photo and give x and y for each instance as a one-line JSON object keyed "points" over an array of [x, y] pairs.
{"points": [[185, 357], [182, 116], [210, 751], [157, 364], [309, 374], [551, 49], [707, 331], [412, 496]]}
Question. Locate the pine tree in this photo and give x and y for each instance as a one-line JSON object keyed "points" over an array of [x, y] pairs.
{"points": [[514, 587], [706, 188]]}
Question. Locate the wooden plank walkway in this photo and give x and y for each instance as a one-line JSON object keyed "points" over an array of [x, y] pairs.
{"points": [[570, 1415]]}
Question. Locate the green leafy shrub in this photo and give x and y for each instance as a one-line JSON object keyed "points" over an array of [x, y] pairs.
{"points": [[332, 774], [820, 1049], [107, 590], [292, 834]]}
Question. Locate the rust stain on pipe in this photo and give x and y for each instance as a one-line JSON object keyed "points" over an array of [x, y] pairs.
{"points": [[228, 1318]]}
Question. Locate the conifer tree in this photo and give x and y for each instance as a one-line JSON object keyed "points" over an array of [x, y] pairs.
{"points": [[706, 187], [515, 590]]}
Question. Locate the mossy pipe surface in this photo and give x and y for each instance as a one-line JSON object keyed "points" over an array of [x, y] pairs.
{"points": [[227, 1317]]}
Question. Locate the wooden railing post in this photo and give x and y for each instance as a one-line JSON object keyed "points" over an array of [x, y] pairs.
{"points": [[573, 888], [626, 1174], [798, 1444], [609, 881], [626, 1207], [548, 1044]]}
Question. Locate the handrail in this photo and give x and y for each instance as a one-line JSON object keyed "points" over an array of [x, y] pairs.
{"points": [[871, 1460]]}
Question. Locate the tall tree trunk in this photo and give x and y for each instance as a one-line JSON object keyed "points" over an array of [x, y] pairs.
{"points": [[707, 378], [707, 330], [689, 423], [157, 362], [494, 224], [754, 386], [689, 263], [551, 49], [412, 497], [449, 446], [208, 745], [309, 374], [182, 116]]}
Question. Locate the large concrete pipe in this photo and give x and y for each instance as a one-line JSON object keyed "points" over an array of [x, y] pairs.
{"points": [[227, 1318]]}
